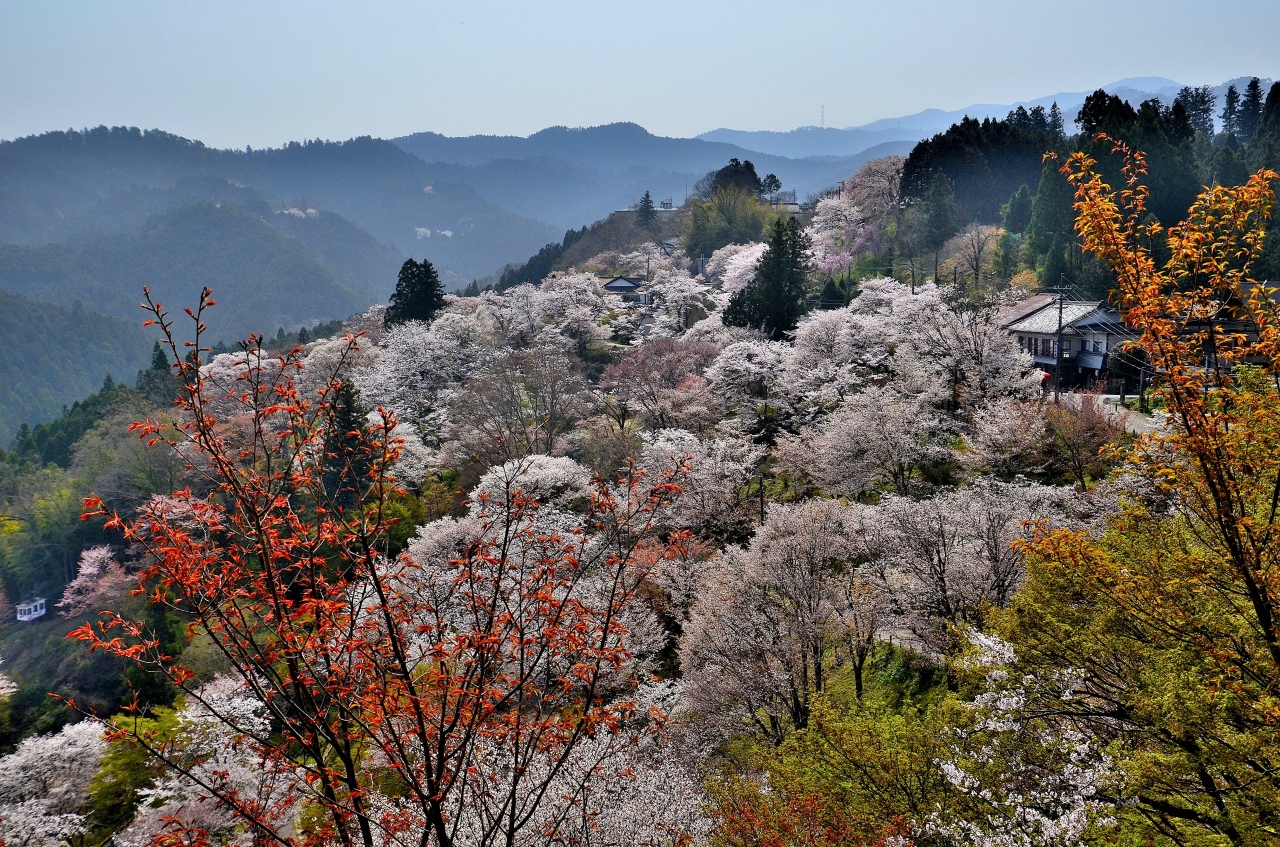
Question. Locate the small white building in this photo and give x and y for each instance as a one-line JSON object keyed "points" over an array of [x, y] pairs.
{"points": [[29, 610]]}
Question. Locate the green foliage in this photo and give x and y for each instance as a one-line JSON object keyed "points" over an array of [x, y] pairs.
{"points": [[1199, 104], [736, 174], [1016, 214], [859, 765], [731, 215], [774, 300], [985, 161], [1228, 163], [940, 221], [1007, 255], [644, 212], [51, 442], [1251, 109], [262, 278], [418, 295], [1164, 133], [125, 771], [53, 356], [1052, 216]]}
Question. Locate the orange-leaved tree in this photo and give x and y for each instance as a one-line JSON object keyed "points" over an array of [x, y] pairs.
{"points": [[1170, 619], [467, 694]]}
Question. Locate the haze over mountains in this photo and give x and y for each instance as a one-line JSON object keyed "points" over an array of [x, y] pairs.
{"points": [[316, 230], [829, 141]]}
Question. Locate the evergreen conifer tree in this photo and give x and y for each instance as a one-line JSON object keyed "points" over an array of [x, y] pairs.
{"points": [[1017, 212], [1265, 149], [345, 462], [1231, 111], [159, 361], [1056, 125], [1251, 109], [940, 215], [472, 290], [1229, 167], [418, 295], [645, 214], [774, 300]]}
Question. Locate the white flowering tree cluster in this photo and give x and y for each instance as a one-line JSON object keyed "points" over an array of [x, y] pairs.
{"points": [[44, 786], [1028, 777], [853, 485]]}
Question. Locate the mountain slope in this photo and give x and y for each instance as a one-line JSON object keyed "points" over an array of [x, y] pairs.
{"points": [[813, 141], [53, 356], [261, 278], [65, 186]]}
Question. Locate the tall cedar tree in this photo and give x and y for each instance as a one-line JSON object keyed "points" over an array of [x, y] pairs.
{"points": [[418, 295], [1016, 214], [1251, 109], [644, 212], [940, 215], [1231, 111], [774, 299]]}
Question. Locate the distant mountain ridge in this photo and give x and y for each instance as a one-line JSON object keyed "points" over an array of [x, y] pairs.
{"points": [[815, 141], [542, 175]]}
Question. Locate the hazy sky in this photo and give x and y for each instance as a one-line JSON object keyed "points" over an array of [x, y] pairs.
{"points": [[263, 72]]}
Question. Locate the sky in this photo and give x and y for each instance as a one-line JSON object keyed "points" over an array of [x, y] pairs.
{"points": [[261, 73]]}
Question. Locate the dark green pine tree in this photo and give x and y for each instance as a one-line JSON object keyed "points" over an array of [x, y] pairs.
{"points": [[418, 295], [940, 215], [1228, 165], [1231, 111], [346, 465], [1052, 213], [1251, 109], [774, 300], [645, 215], [159, 361], [1057, 270], [1265, 150], [304, 335], [1017, 212], [1056, 125], [472, 290]]}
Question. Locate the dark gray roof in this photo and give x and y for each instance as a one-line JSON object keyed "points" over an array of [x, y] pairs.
{"points": [[1045, 321]]}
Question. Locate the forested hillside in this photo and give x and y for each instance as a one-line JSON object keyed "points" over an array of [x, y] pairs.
{"points": [[266, 279], [54, 356], [66, 185]]}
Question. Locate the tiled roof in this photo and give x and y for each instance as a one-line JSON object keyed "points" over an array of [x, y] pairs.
{"points": [[1046, 320], [1018, 311]]}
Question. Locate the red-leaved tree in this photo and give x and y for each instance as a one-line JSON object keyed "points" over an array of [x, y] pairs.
{"points": [[443, 699]]}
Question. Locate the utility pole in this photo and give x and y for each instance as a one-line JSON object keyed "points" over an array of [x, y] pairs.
{"points": [[1061, 291]]}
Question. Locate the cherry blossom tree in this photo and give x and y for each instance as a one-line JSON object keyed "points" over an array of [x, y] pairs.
{"points": [[647, 380], [877, 437], [522, 403], [99, 577], [944, 559], [44, 786], [737, 268], [836, 234], [200, 764], [424, 693], [420, 366], [768, 629], [713, 491], [745, 374], [1029, 777]]}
